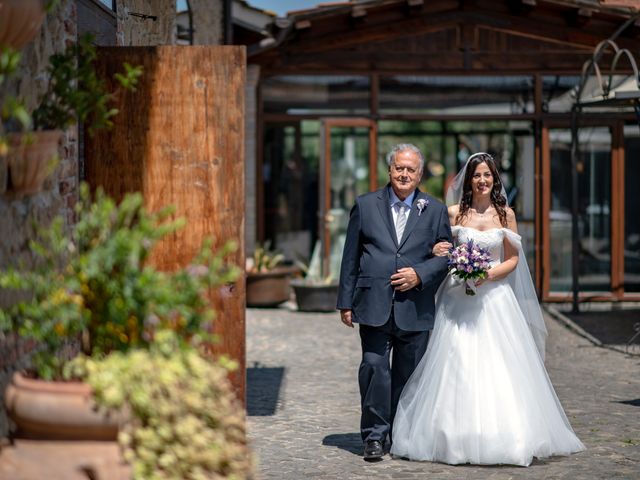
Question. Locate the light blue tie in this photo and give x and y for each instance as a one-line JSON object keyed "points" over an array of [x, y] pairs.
{"points": [[401, 219]]}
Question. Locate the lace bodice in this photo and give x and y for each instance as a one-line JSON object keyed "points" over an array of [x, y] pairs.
{"points": [[491, 239]]}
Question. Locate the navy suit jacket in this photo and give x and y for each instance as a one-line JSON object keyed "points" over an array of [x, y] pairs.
{"points": [[372, 254]]}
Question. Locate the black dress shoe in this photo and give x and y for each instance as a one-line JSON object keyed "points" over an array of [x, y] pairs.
{"points": [[373, 450]]}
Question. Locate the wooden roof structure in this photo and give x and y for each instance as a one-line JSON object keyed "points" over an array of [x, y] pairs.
{"points": [[452, 36]]}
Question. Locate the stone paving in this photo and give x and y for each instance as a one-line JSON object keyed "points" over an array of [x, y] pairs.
{"points": [[303, 406]]}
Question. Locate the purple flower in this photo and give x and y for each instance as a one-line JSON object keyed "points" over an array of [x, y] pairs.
{"points": [[469, 262]]}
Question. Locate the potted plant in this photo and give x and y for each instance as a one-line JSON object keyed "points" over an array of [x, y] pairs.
{"points": [[92, 292], [185, 421], [74, 94], [315, 292], [267, 279], [20, 20]]}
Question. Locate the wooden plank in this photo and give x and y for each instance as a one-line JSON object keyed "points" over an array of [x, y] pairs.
{"points": [[617, 211], [179, 139], [538, 228], [544, 217]]}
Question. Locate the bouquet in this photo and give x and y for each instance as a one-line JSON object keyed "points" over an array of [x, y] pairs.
{"points": [[469, 262]]}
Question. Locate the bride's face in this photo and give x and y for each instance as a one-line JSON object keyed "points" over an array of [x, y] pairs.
{"points": [[482, 180]]}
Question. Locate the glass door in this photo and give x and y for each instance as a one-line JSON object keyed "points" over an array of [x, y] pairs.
{"points": [[347, 169], [594, 215]]}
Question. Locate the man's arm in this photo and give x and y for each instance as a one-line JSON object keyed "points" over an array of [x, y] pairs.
{"points": [[350, 261], [433, 270]]}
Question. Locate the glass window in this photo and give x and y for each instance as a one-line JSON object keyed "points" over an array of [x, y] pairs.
{"points": [[290, 176], [110, 4], [558, 92], [318, 94], [446, 147], [456, 95], [349, 178], [594, 209], [631, 208]]}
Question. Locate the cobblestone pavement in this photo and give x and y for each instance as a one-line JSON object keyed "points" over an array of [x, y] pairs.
{"points": [[303, 406]]}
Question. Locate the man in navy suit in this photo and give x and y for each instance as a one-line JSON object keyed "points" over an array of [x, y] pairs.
{"points": [[388, 286]]}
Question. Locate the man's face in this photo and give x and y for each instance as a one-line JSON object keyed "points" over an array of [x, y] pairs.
{"points": [[405, 173]]}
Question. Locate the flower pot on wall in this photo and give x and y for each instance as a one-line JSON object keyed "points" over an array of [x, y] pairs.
{"points": [[57, 411], [315, 297], [32, 158], [20, 20], [269, 289]]}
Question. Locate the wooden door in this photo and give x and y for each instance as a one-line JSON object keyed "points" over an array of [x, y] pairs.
{"points": [[179, 139]]}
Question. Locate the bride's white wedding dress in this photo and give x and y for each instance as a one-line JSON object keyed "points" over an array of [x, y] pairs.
{"points": [[481, 394]]}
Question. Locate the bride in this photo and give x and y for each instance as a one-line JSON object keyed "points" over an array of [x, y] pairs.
{"points": [[481, 394]]}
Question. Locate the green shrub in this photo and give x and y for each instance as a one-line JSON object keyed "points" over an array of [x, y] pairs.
{"points": [[95, 284], [185, 423]]}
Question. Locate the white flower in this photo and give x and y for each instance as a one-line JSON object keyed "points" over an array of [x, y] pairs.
{"points": [[421, 204]]}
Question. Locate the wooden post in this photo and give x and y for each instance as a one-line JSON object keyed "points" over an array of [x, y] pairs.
{"points": [[179, 139]]}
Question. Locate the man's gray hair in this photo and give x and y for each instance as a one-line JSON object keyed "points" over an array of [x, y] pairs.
{"points": [[401, 147]]}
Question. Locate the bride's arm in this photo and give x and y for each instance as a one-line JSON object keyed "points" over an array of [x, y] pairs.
{"points": [[510, 261]]}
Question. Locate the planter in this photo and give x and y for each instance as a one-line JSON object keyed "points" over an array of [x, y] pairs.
{"points": [[269, 289], [57, 411], [32, 158], [315, 297], [20, 20]]}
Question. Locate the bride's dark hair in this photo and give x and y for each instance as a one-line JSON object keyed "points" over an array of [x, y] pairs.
{"points": [[497, 199]]}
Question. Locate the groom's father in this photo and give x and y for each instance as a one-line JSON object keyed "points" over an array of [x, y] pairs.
{"points": [[388, 280]]}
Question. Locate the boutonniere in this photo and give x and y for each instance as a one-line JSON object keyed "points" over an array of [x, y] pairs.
{"points": [[421, 204]]}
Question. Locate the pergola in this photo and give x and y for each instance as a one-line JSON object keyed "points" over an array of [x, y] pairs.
{"points": [[605, 93]]}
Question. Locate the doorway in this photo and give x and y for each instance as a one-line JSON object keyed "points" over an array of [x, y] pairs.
{"points": [[314, 169]]}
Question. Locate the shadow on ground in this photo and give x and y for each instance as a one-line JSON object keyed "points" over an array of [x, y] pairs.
{"points": [[263, 390], [351, 442], [611, 327]]}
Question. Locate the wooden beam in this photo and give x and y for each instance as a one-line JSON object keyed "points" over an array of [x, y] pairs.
{"points": [[377, 30], [467, 37], [368, 62], [302, 24], [545, 191], [617, 211], [621, 3], [521, 7], [579, 17], [358, 12]]}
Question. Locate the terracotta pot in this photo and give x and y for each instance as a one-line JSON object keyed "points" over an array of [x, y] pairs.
{"points": [[269, 289], [32, 158], [315, 298], [20, 21], [58, 411]]}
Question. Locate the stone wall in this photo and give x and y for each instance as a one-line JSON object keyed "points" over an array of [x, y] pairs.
{"points": [[134, 30], [208, 22], [21, 217]]}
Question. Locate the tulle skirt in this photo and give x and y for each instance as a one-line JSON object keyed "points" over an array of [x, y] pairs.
{"points": [[481, 394]]}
